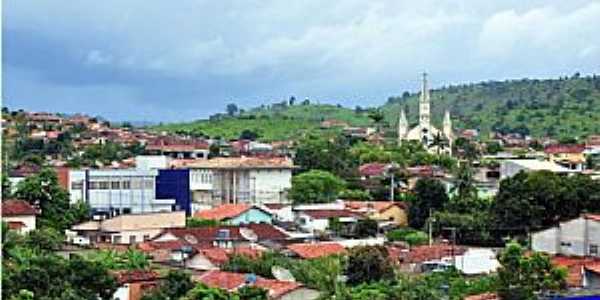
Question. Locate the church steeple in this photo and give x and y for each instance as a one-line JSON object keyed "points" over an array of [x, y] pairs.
{"points": [[402, 126], [424, 113]]}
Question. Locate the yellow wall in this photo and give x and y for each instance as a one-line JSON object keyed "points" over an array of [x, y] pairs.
{"points": [[394, 214]]}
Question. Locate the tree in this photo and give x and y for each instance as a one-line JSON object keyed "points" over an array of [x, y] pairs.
{"points": [[44, 191], [203, 292], [377, 116], [248, 134], [251, 293], [465, 184], [366, 228], [368, 264], [315, 187], [292, 100], [44, 239], [493, 147], [174, 286], [410, 236], [198, 222], [522, 276], [430, 194], [232, 109], [332, 155], [465, 149]]}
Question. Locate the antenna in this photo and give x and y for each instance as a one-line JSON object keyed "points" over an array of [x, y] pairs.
{"points": [[282, 274]]}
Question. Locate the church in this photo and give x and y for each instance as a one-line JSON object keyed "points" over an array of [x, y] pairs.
{"points": [[425, 132]]}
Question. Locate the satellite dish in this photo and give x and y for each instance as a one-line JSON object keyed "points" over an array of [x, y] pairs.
{"points": [[282, 274], [248, 234], [190, 239]]}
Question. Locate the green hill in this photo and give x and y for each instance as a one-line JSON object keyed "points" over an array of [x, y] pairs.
{"points": [[565, 107], [277, 122]]}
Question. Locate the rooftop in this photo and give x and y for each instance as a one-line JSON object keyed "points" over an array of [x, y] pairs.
{"points": [[231, 281], [17, 207], [330, 213], [538, 165], [242, 163], [556, 149], [225, 211], [315, 250]]}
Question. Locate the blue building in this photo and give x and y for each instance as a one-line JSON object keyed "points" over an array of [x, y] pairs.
{"points": [[175, 184]]}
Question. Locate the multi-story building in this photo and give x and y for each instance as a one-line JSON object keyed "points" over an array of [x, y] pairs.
{"points": [[240, 180], [119, 191]]}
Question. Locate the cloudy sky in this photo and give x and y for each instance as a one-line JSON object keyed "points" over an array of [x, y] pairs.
{"points": [[186, 59]]}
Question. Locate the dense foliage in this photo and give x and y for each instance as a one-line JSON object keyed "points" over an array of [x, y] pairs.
{"points": [[315, 186], [408, 235], [430, 196], [564, 107]]}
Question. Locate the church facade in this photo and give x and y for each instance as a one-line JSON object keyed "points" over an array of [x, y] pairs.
{"points": [[424, 131]]}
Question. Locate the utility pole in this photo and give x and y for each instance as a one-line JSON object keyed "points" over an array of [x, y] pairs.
{"points": [[430, 221], [392, 188]]}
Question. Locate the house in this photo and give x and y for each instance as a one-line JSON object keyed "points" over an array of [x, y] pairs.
{"points": [[510, 167], [134, 283], [315, 250], [419, 258], [385, 212], [19, 215], [236, 214], [276, 289], [577, 237], [251, 180], [205, 259], [569, 156], [179, 148], [581, 271], [125, 229], [226, 236], [371, 170], [22, 171], [318, 220]]}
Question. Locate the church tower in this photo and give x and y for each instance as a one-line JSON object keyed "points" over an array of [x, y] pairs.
{"points": [[447, 130], [424, 113], [402, 126]]}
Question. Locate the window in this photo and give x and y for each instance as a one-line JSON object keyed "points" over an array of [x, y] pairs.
{"points": [[115, 185], [148, 184], [146, 237], [94, 185], [103, 185], [126, 210], [116, 239], [77, 185], [132, 239], [594, 249], [126, 185]]}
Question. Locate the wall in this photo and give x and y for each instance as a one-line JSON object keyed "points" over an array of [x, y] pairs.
{"points": [[29, 222], [397, 215], [546, 241], [138, 235], [301, 294], [175, 184], [573, 233], [252, 215], [269, 183]]}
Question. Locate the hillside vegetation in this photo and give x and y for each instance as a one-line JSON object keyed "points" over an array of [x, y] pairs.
{"points": [[271, 123], [565, 107]]}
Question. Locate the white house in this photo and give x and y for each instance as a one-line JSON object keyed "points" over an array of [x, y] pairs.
{"points": [[125, 229], [19, 215], [577, 237], [318, 220], [511, 167], [225, 180]]}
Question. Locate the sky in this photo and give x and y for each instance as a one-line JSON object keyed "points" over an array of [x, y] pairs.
{"points": [[167, 61]]}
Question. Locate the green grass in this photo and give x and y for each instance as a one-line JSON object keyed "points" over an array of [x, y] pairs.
{"points": [[271, 125]]}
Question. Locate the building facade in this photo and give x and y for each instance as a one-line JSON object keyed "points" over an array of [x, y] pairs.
{"points": [[578, 237], [119, 191], [235, 180]]}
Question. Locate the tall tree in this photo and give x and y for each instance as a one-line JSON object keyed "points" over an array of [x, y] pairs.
{"points": [[232, 109], [368, 264], [315, 187], [430, 194]]}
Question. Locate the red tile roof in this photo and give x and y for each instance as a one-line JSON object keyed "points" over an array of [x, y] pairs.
{"points": [[219, 256], [203, 234], [574, 266], [221, 212], [129, 276], [314, 250], [556, 149], [165, 245], [420, 254], [372, 169], [231, 281], [16, 207]]}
